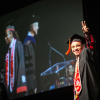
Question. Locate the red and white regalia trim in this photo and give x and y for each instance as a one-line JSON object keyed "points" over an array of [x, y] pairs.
{"points": [[77, 80]]}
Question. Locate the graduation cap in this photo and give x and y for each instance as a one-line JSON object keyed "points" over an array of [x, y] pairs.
{"points": [[30, 20], [10, 25], [74, 38], [34, 19], [10, 28]]}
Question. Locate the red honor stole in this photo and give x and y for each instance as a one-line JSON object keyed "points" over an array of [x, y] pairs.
{"points": [[77, 80], [10, 68]]}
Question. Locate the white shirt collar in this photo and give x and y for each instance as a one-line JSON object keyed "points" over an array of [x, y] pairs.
{"points": [[11, 43], [29, 34]]}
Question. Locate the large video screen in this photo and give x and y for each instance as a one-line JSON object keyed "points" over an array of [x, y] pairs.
{"points": [[33, 45]]}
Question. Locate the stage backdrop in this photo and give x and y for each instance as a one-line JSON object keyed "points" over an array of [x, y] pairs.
{"points": [[58, 20]]}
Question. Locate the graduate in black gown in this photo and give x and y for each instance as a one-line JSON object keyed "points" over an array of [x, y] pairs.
{"points": [[15, 79], [86, 80], [29, 54]]}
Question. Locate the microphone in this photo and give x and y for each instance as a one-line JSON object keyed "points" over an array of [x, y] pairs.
{"points": [[48, 43]]}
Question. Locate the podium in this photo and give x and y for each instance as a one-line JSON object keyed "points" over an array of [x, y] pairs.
{"points": [[53, 77]]}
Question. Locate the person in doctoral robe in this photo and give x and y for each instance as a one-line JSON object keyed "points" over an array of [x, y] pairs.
{"points": [[29, 54], [86, 79], [15, 79]]}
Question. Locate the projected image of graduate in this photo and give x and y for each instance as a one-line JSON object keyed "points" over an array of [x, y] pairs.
{"points": [[69, 73], [15, 79], [29, 54]]}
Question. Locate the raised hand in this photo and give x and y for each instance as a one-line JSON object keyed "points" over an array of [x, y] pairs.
{"points": [[85, 28]]}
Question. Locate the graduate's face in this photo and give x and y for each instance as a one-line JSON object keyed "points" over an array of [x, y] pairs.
{"points": [[70, 70], [76, 47], [8, 37], [35, 27]]}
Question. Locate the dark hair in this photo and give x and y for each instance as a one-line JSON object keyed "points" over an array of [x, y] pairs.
{"points": [[15, 35], [31, 27]]}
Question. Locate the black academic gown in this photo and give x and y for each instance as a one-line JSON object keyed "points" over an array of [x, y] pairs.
{"points": [[19, 72], [89, 78], [29, 54], [68, 82]]}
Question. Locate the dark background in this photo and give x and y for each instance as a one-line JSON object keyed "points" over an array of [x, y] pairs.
{"points": [[91, 14]]}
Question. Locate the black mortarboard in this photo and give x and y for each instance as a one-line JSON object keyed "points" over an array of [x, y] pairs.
{"points": [[30, 19], [75, 37], [10, 25], [33, 19]]}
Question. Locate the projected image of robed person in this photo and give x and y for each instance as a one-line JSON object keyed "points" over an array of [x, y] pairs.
{"points": [[86, 80], [29, 54], [69, 73], [15, 79]]}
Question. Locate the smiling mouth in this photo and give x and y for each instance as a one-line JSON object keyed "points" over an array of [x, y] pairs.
{"points": [[76, 51]]}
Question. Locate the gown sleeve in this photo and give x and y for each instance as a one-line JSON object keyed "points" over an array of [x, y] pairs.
{"points": [[29, 54], [89, 77], [20, 71], [89, 41]]}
